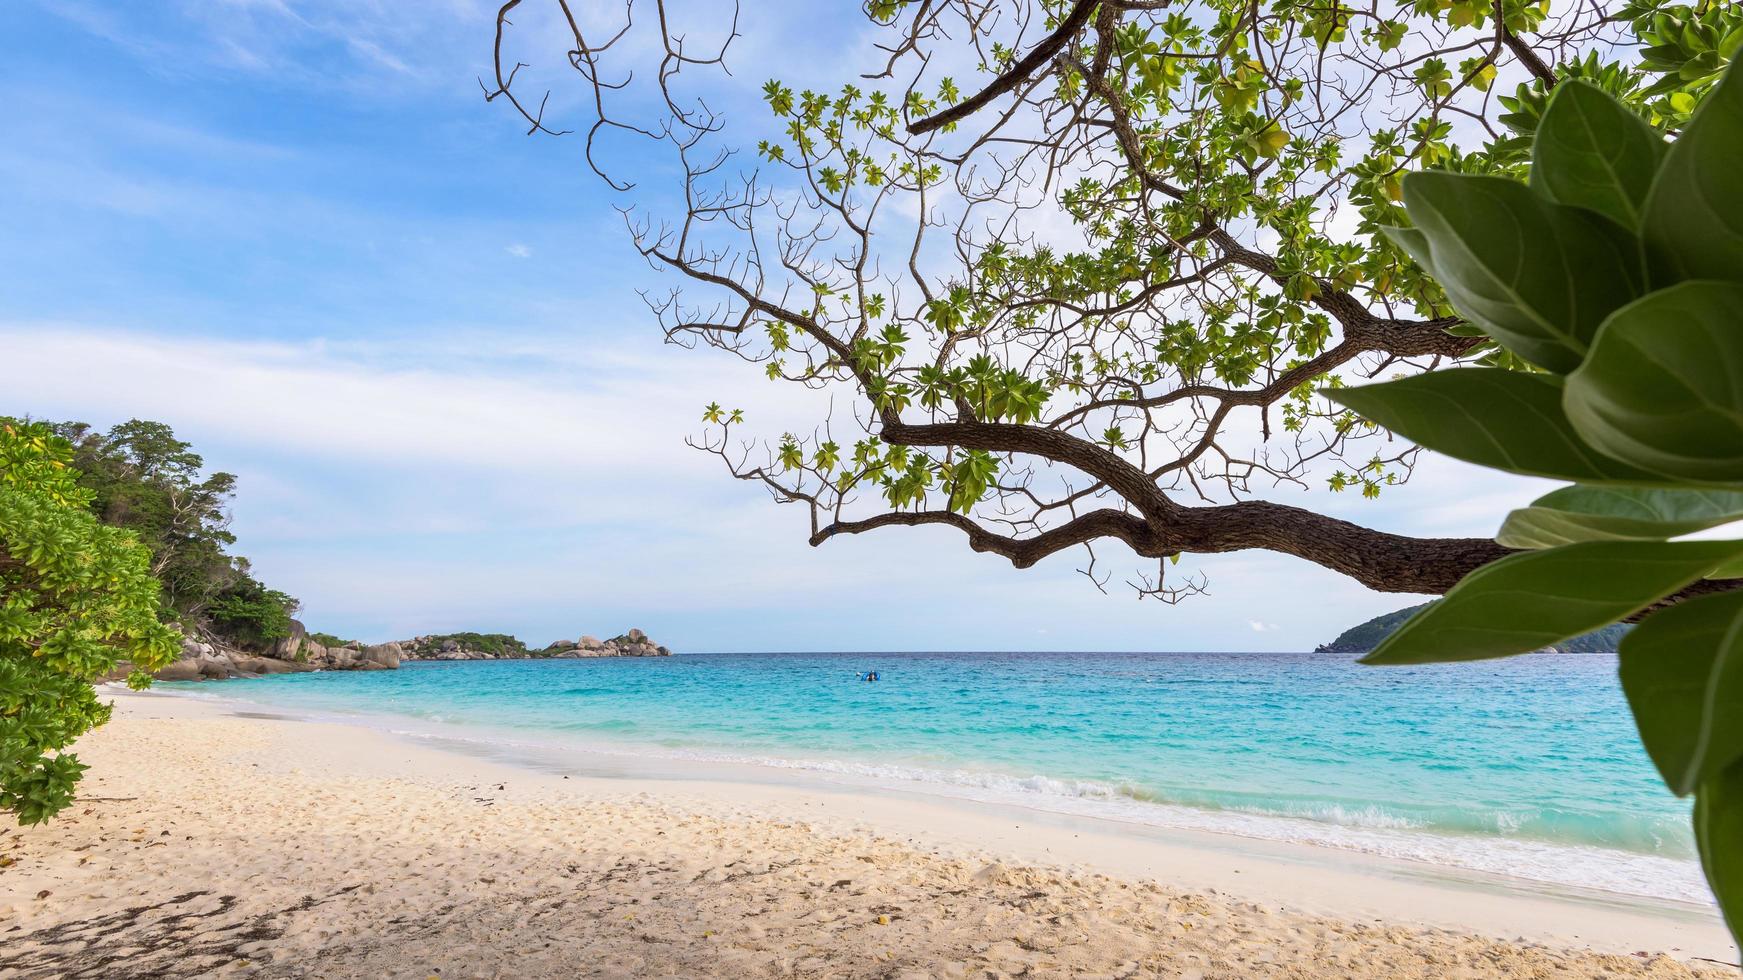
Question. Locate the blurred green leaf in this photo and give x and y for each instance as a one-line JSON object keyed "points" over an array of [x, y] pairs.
{"points": [[1663, 387], [1509, 259], [1593, 513], [1493, 417], [1694, 217], [1719, 836], [1682, 670], [1592, 152], [1529, 601]]}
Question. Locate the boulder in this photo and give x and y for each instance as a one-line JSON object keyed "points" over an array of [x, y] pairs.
{"points": [[181, 670], [270, 665], [591, 643], [384, 655], [289, 647]]}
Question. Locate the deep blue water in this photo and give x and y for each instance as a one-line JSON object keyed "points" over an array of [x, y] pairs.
{"points": [[1527, 766]]}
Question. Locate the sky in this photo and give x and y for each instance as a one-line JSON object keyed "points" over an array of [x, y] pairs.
{"points": [[295, 231]]}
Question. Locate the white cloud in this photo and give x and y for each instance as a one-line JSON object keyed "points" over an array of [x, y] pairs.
{"points": [[519, 250], [1259, 627]]}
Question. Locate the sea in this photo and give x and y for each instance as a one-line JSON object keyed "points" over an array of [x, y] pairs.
{"points": [[1527, 767]]}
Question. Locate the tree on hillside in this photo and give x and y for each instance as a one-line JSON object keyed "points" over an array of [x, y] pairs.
{"points": [[1079, 267], [143, 478], [76, 597]]}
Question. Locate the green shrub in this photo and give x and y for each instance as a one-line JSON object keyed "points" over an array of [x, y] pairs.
{"points": [[251, 615], [76, 598]]}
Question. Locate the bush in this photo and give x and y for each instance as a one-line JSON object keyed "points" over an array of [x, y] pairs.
{"points": [[76, 598], [251, 615]]}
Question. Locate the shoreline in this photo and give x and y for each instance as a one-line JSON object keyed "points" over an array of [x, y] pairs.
{"points": [[1264, 893], [1582, 870]]}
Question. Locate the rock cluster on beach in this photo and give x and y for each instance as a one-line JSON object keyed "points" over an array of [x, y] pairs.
{"points": [[298, 652], [635, 643], [203, 660]]}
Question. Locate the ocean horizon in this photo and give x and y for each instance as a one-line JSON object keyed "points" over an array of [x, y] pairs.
{"points": [[1527, 767]]}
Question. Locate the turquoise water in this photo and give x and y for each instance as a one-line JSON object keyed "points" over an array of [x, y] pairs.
{"points": [[1528, 766]]}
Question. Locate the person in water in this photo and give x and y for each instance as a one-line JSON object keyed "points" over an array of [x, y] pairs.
{"points": [[872, 676]]}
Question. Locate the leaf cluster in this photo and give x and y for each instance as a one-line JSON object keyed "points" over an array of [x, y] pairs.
{"points": [[76, 598], [1616, 274]]}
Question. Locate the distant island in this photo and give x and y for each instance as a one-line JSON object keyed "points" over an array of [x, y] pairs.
{"points": [[216, 659], [1367, 636]]}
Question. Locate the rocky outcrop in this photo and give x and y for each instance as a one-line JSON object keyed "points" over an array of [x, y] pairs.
{"points": [[635, 643], [297, 653], [300, 652]]}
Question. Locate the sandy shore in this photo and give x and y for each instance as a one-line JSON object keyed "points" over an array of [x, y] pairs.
{"points": [[213, 844]]}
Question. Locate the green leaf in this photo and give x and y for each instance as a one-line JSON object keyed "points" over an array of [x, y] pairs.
{"points": [[1719, 836], [1537, 276], [1694, 217], [1587, 513], [1663, 387], [1731, 569], [1506, 420], [1528, 601], [1592, 152], [1682, 670]]}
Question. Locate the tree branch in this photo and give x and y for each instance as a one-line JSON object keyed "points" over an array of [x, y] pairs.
{"points": [[1040, 55]]}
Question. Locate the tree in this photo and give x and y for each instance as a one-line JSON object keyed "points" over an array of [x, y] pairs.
{"points": [[1063, 304], [76, 597], [252, 615], [143, 478], [1639, 401], [1089, 295]]}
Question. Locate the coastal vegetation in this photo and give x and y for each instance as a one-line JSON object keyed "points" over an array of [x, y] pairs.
{"points": [[113, 545], [142, 478], [494, 644], [1125, 277], [76, 597]]}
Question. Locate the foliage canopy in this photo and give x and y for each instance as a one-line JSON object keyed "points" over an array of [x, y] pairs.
{"points": [[1079, 267], [76, 597], [143, 478]]}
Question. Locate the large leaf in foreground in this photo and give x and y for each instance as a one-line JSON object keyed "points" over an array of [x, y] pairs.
{"points": [[1663, 387], [1694, 217], [1682, 669], [1534, 599], [1537, 276], [1595, 513], [1592, 152], [1719, 835], [1506, 420]]}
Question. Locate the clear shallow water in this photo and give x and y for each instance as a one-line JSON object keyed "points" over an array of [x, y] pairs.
{"points": [[1528, 766]]}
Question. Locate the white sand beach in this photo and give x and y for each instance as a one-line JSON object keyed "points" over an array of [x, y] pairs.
{"points": [[212, 843]]}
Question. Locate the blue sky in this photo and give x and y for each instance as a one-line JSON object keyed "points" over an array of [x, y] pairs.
{"points": [[294, 231]]}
